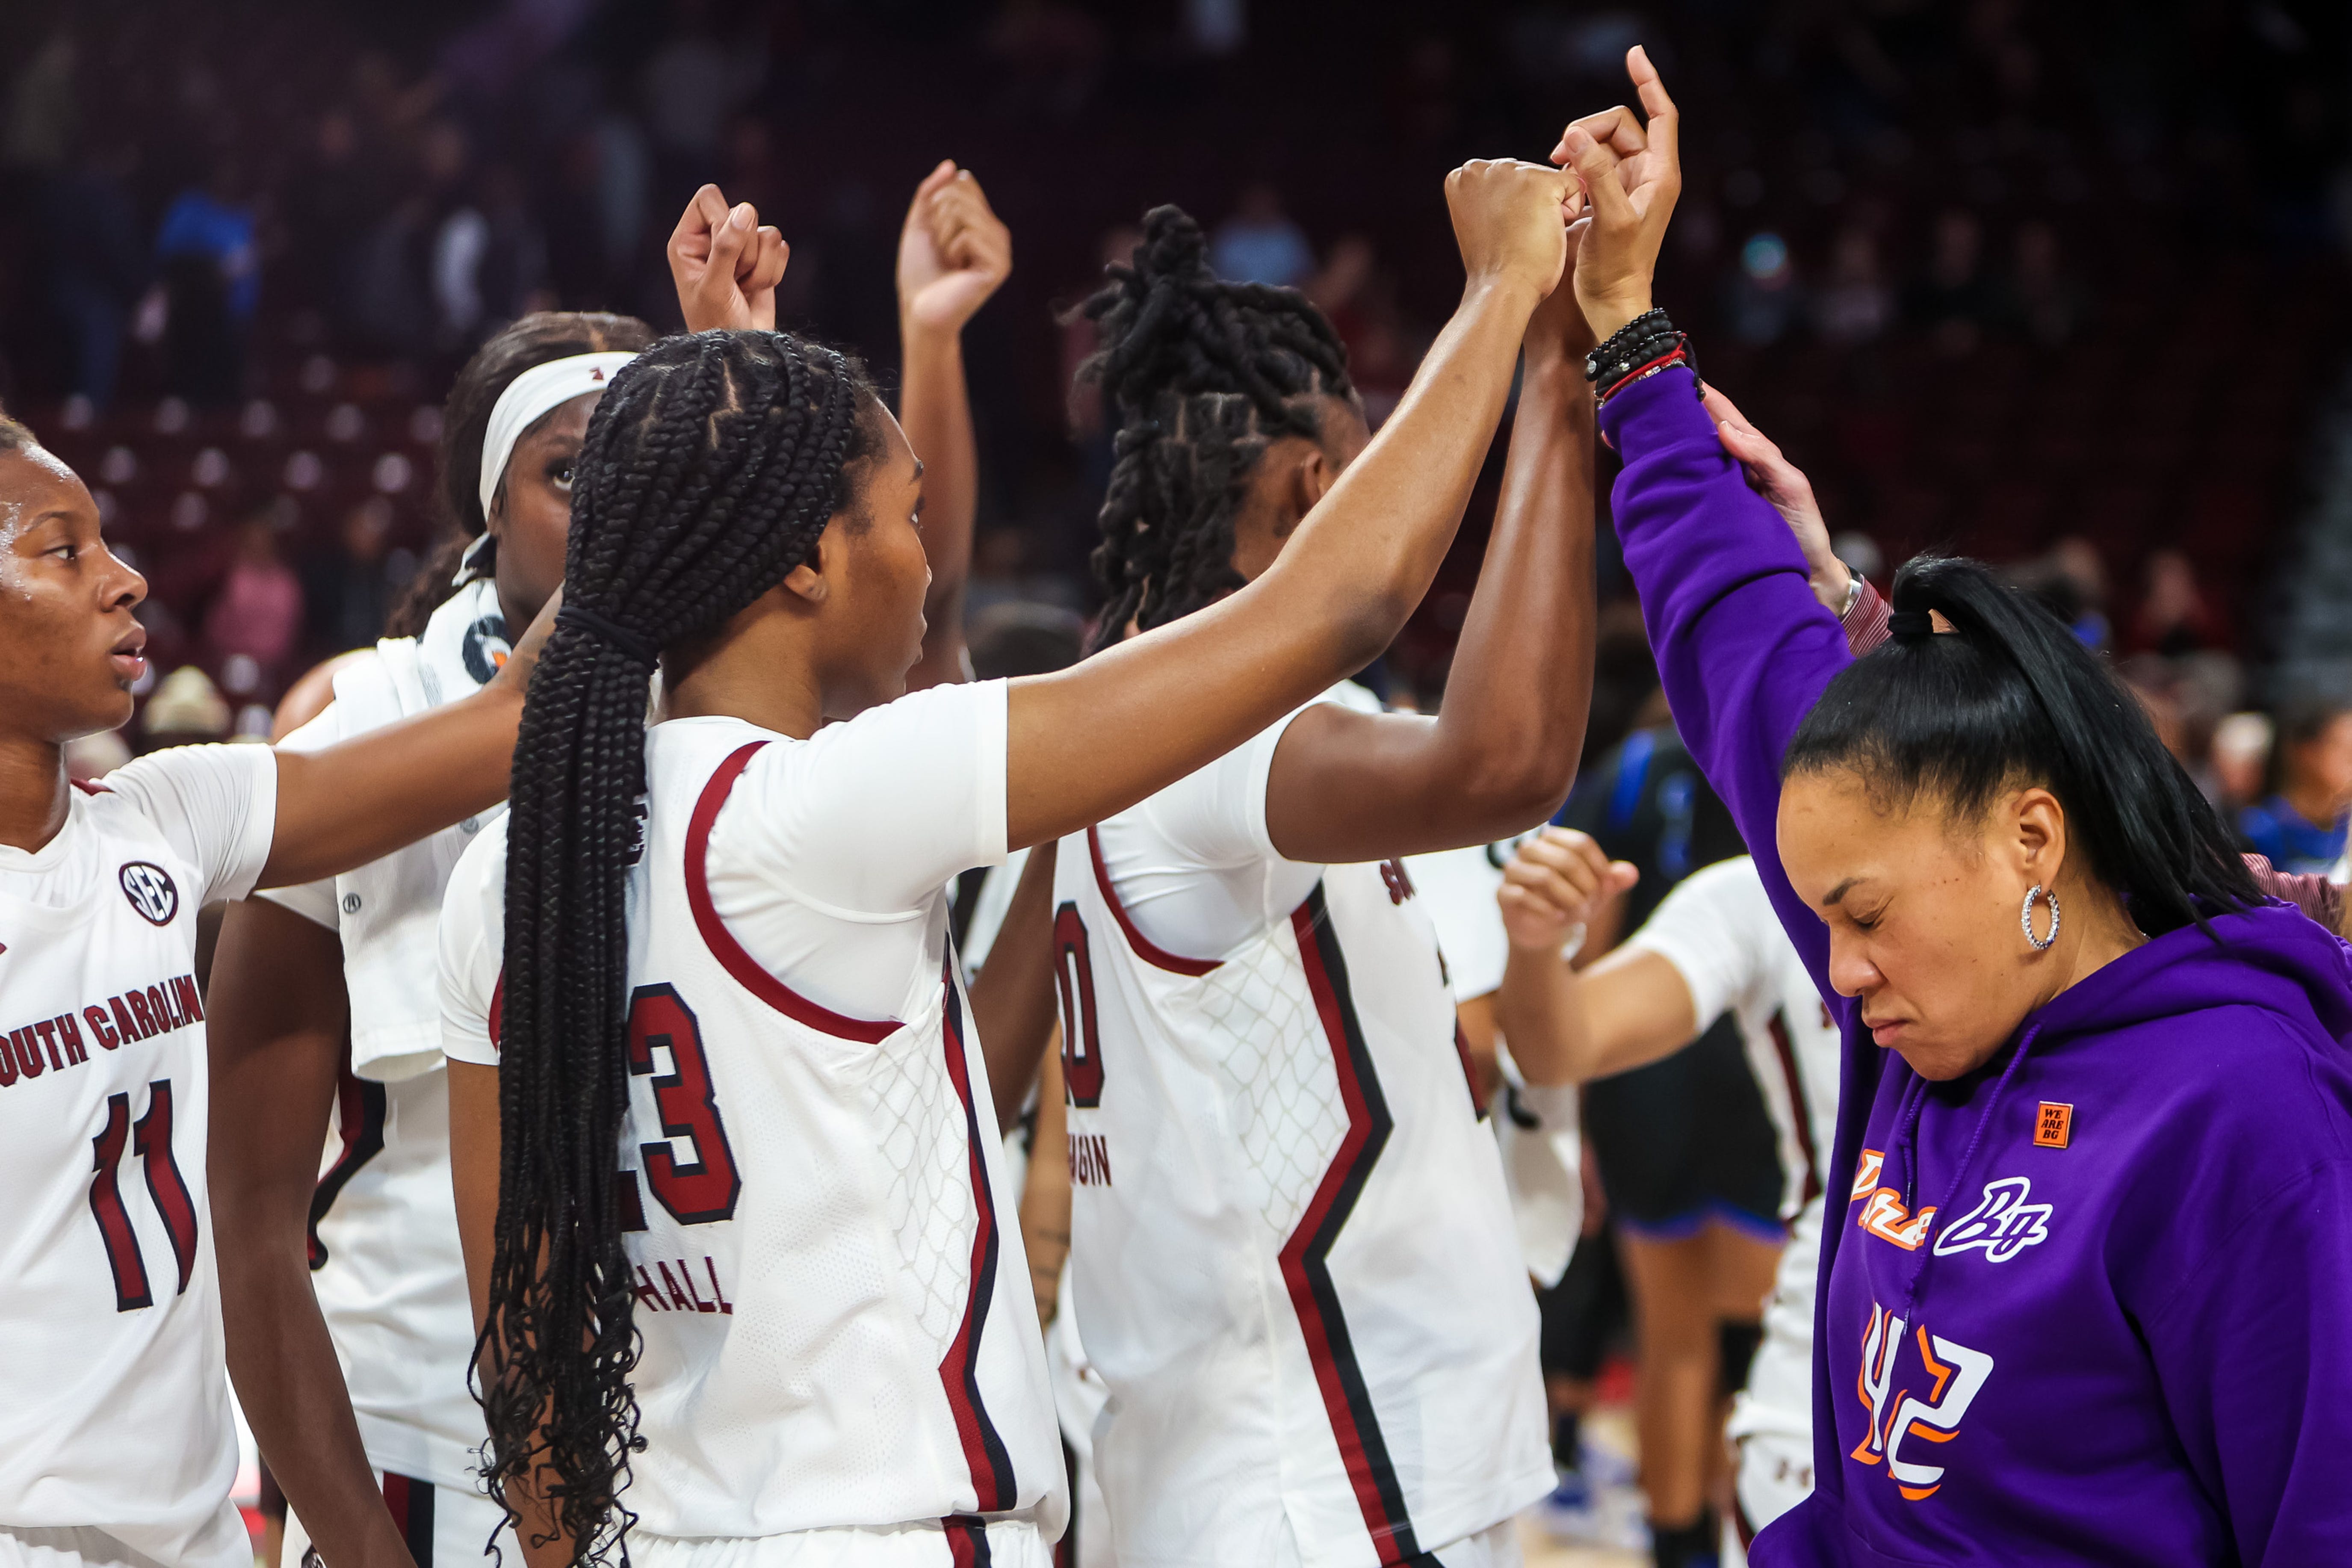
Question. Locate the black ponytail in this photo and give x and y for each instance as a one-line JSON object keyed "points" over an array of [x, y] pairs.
{"points": [[1205, 374], [709, 469], [2012, 696], [537, 339]]}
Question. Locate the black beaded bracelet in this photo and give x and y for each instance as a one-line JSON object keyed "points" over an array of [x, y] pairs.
{"points": [[1629, 346]]}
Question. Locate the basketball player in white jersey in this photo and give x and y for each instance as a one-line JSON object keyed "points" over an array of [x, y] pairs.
{"points": [[116, 1441], [358, 953], [1294, 1256], [1712, 947], [733, 1214]]}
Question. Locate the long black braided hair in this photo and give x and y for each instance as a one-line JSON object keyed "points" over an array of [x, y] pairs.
{"points": [[709, 469], [1205, 374]]}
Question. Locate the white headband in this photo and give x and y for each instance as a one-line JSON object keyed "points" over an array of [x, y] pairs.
{"points": [[532, 394]]}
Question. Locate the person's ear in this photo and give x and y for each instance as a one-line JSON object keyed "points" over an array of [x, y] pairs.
{"points": [[494, 521], [2038, 824], [1310, 481], [810, 582]]}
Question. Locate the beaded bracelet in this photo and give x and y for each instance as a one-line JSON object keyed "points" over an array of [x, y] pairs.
{"points": [[1628, 346]]}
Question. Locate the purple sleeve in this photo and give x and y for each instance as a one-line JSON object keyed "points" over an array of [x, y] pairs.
{"points": [[2253, 1359], [1743, 647]]}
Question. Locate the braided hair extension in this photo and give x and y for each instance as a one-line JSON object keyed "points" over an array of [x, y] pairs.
{"points": [[709, 469], [535, 340], [1205, 374]]}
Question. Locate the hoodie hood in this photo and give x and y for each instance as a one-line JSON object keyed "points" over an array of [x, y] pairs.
{"points": [[2272, 955]]}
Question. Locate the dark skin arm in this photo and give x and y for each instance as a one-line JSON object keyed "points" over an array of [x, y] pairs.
{"points": [[1500, 755], [952, 254], [1012, 998], [279, 1021], [361, 799], [1091, 741], [474, 1144]]}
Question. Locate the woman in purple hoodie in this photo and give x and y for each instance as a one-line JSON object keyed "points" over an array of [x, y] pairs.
{"points": [[2090, 1297]]}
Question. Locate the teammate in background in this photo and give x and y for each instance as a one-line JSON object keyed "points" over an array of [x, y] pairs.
{"points": [[723, 1009], [2097, 1137], [116, 1400], [342, 1289], [1300, 1373], [329, 997], [1714, 946], [1685, 1149]]}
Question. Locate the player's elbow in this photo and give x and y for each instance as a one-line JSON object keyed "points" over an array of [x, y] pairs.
{"points": [[1510, 793]]}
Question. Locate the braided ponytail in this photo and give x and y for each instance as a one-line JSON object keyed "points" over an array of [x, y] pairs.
{"points": [[710, 467], [1206, 375]]}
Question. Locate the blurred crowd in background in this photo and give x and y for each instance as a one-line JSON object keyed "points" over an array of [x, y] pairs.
{"points": [[2061, 285]]}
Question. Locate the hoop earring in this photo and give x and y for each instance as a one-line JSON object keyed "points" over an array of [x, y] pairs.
{"points": [[2025, 917]]}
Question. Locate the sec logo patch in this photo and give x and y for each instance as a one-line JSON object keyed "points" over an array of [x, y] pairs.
{"points": [[150, 891], [486, 649]]}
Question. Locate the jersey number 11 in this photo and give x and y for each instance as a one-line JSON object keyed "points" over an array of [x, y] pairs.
{"points": [[151, 1138]]}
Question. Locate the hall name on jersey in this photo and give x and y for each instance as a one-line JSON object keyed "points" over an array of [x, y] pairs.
{"points": [[1089, 1160], [28, 1050], [660, 1289]]}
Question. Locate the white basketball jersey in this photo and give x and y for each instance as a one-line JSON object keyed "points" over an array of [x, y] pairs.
{"points": [[115, 1409], [837, 1328], [1293, 1252], [384, 1257]]}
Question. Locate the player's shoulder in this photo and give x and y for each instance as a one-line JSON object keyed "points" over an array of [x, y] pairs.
{"points": [[478, 880], [1731, 888]]}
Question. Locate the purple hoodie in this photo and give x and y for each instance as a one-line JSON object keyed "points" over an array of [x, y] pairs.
{"points": [[2092, 1303]]}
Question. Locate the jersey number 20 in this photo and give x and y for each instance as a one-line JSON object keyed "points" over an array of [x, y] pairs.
{"points": [[151, 1138], [705, 1191], [1074, 971]]}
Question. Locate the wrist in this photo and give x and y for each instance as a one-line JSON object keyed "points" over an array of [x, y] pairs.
{"points": [[1837, 587], [936, 337], [1606, 316], [1501, 290], [1550, 359]]}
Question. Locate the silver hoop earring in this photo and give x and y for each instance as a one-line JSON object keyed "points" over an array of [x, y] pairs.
{"points": [[2025, 917]]}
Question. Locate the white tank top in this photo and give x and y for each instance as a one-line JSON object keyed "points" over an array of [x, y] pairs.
{"points": [[830, 1283], [1293, 1252]]}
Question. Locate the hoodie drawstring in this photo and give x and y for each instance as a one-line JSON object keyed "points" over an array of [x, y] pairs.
{"points": [[1959, 1174]]}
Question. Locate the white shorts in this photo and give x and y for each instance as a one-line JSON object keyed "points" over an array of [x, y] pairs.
{"points": [[1772, 1421], [442, 1525], [1497, 1546], [929, 1544]]}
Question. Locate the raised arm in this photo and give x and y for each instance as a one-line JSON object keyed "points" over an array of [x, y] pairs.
{"points": [[1090, 740], [1744, 649], [365, 798], [953, 252], [1501, 753]]}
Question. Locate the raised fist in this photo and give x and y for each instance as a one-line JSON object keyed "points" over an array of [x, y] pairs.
{"points": [[1511, 220], [726, 266], [1556, 882], [952, 253]]}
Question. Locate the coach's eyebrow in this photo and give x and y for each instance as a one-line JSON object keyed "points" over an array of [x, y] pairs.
{"points": [[1840, 891]]}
